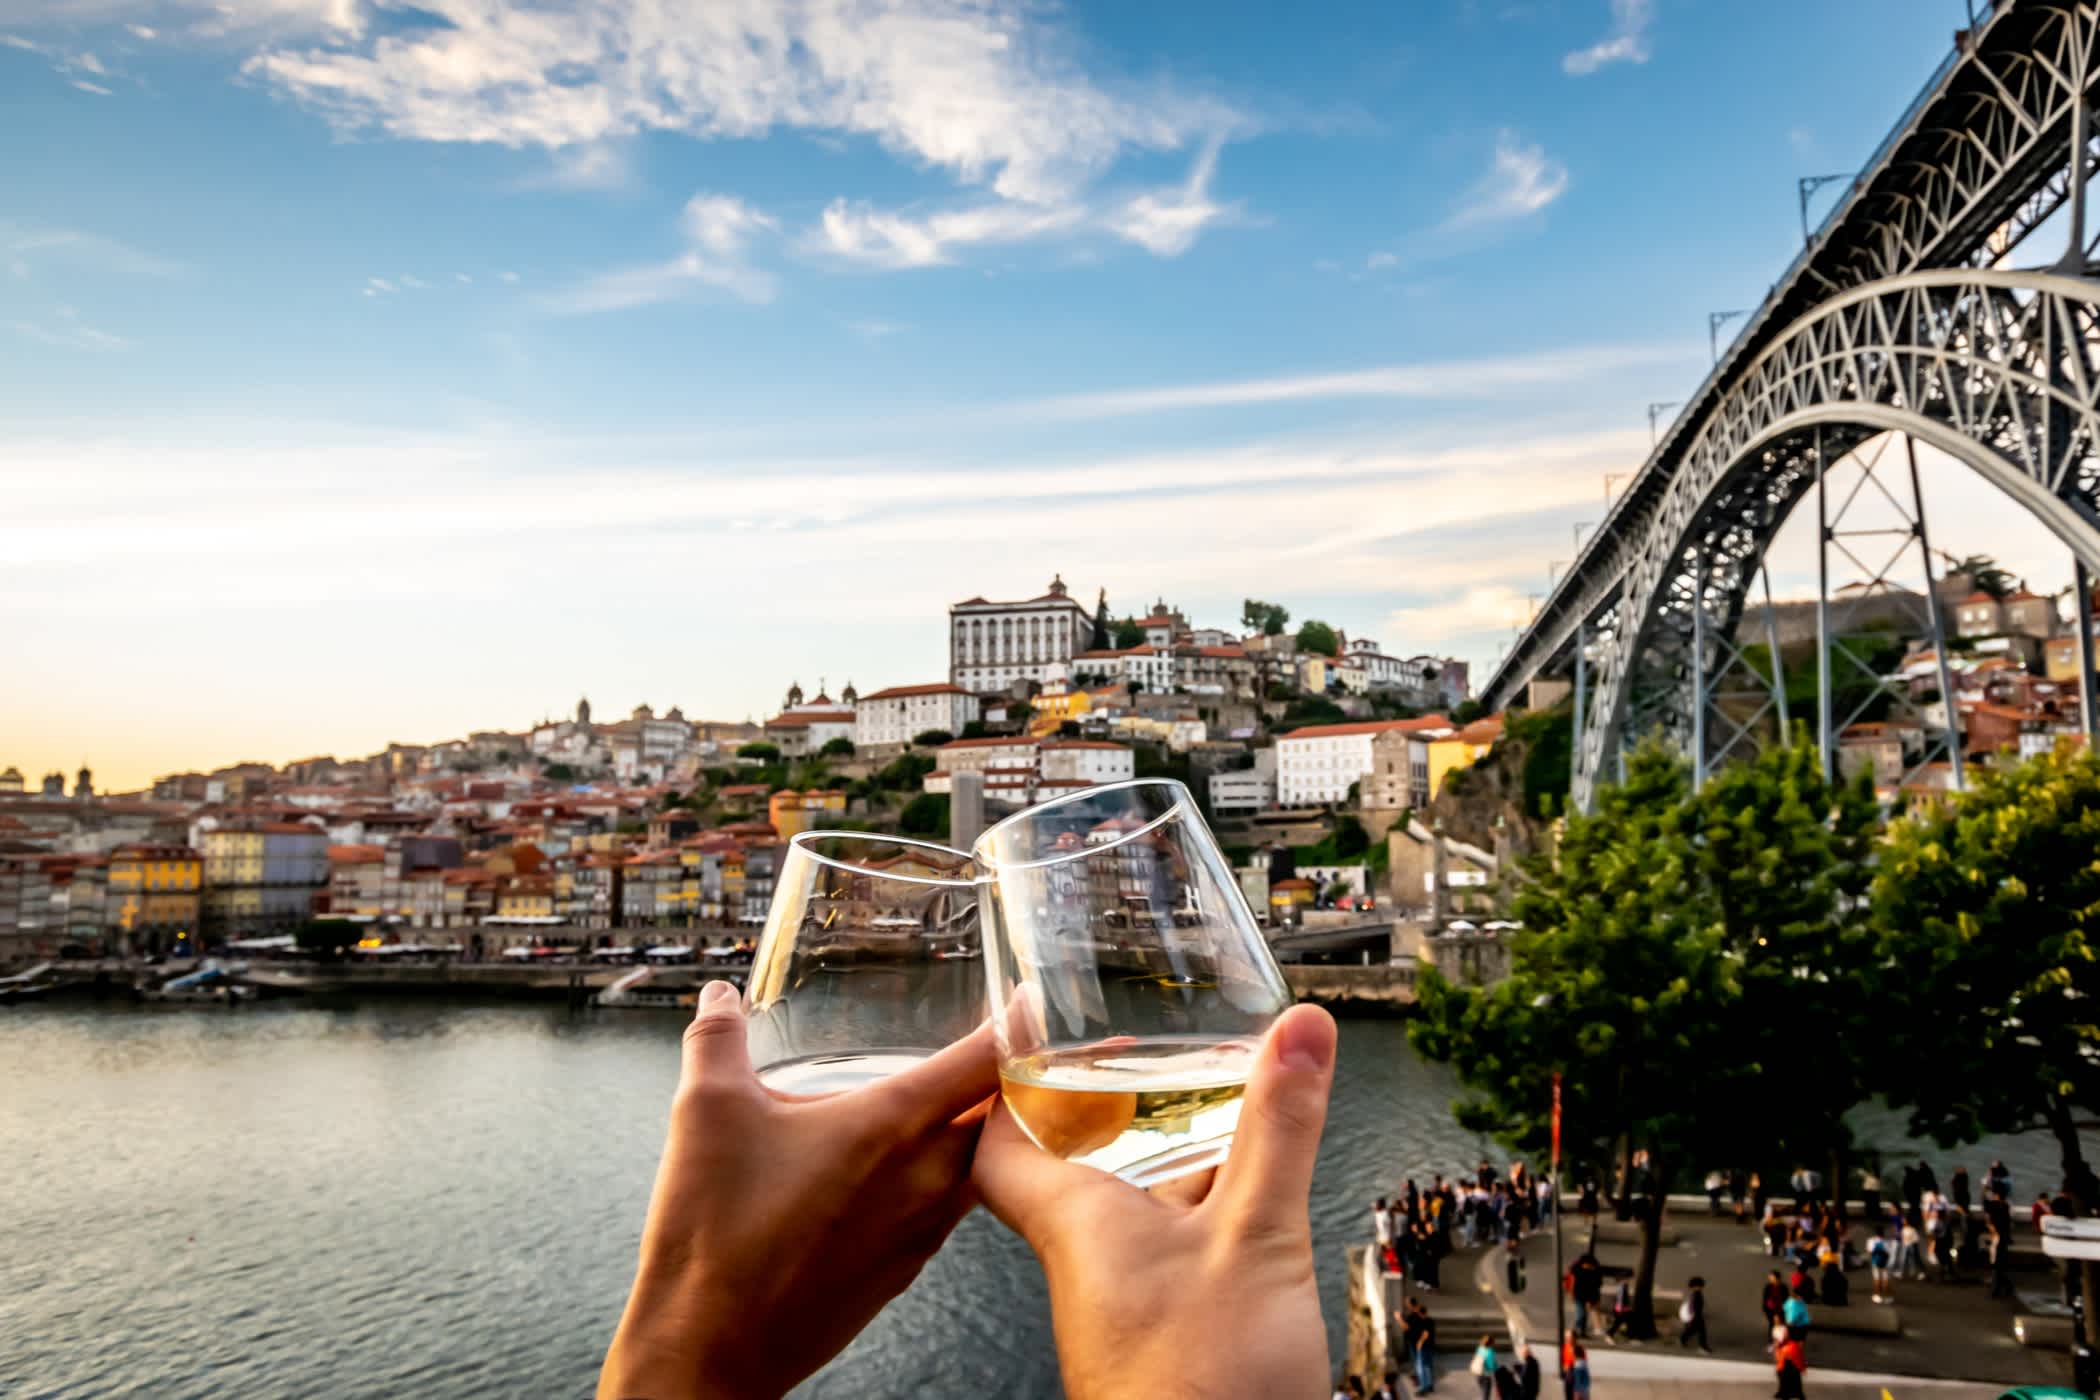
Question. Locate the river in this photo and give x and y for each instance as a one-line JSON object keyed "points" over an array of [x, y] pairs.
{"points": [[408, 1199]]}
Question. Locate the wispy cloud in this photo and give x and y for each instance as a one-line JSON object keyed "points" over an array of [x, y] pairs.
{"points": [[1521, 181], [1626, 43], [85, 86], [29, 244], [1455, 379], [720, 230], [874, 330], [885, 238], [141, 31], [67, 333], [601, 166], [1167, 222]]}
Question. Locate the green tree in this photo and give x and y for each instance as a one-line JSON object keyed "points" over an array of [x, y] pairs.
{"points": [[326, 937], [925, 815], [1350, 838], [1785, 854], [1099, 640], [1269, 619], [558, 773], [931, 738], [764, 753], [1620, 979], [1983, 570], [973, 729], [1988, 909], [809, 774], [905, 772], [1315, 635], [1128, 634], [838, 746], [1468, 711]]}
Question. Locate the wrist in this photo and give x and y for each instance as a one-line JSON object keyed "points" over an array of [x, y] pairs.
{"points": [[676, 1343]]}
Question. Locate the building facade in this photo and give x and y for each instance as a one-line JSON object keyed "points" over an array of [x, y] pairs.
{"points": [[154, 898], [991, 646], [1320, 763], [893, 718]]}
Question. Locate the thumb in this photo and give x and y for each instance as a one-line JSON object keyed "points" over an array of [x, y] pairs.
{"points": [[714, 1048], [1268, 1176]]}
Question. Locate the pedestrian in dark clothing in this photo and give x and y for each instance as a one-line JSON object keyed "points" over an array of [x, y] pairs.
{"points": [[1527, 1368], [1587, 1279], [1837, 1289], [1774, 1299], [1958, 1187], [1513, 1267], [1999, 1251], [1692, 1313], [1926, 1180], [1912, 1191], [1790, 1359], [1621, 1312], [1999, 1179], [1758, 1196]]}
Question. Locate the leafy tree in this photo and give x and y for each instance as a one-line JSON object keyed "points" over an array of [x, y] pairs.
{"points": [[1315, 635], [1350, 838], [932, 738], [1101, 635], [558, 773], [764, 753], [1786, 856], [973, 729], [1280, 691], [925, 815], [327, 937], [1468, 711], [1548, 738], [1313, 709], [838, 746], [1128, 634], [1984, 572], [1989, 917], [809, 774], [905, 772], [1269, 619], [1620, 978]]}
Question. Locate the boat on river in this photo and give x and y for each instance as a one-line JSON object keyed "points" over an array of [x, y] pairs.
{"points": [[210, 985]]}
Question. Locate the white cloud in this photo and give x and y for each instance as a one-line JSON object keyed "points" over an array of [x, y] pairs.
{"points": [[71, 335], [462, 277], [16, 41], [85, 86], [27, 245], [141, 31], [599, 165], [1627, 42], [874, 330], [1379, 260], [507, 276], [88, 63], [1487, 607], [721, 229], [885, 238], [413, 283], [980, 88], [1522, 181], [379, 285], [1167, 222], [1460, 379]]}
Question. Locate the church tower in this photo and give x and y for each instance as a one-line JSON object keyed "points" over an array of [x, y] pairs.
{"points": [[794, 699], [583, 712]]}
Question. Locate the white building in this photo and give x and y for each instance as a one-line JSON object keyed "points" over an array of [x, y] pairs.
{"points": [[804, 728], [903, 712], [992, 645], [1077, 763], [1145, 666], [1320, 763], [1246, 789]]}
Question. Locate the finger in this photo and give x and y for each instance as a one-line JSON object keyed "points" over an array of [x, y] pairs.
{"points": [[1186, 1191], [943, 1087], [1019, 1182], [1268, 1176], [714, 1049]]}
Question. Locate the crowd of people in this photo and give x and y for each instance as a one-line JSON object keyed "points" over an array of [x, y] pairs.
{"points": [[1816, 1241]]}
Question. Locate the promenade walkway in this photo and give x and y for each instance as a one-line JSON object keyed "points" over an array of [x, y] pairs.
{"points": [[1938, 1339]]}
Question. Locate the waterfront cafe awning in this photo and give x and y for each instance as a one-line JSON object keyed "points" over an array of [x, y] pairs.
{"points": [[722, 950], [670, 950], [611, 954], [262, 945], [519, 953], [1499, 925]]}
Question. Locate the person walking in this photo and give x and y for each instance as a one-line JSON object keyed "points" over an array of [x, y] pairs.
{"points": [[1907, 1265], [1794, 1313], [1790, 1360], [1870, 1195], [1998, 1251], [1774, 1299], [1716, 1183], [1424, 1329], [1578, 1373], [1588, 1278], [1621, 1312], [1526, 1368], [1691, 1313], [1513, 1266], [1879, 1256], [1482, 1366], [1958, 1188]]}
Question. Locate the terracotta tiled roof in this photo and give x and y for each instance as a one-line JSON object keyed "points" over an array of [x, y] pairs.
{"points": [[1376, 726], [356, 855], [1083, 744], [905, 692], [985, 743]]}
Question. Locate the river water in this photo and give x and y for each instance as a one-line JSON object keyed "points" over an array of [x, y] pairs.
{"points": [[418, 1200]]}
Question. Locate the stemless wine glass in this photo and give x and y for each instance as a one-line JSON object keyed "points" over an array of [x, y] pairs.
{"points": [[868, 963], [1129, 984]]}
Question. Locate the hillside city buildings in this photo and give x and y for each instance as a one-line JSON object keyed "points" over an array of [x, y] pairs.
{"points": [[623, 829]]}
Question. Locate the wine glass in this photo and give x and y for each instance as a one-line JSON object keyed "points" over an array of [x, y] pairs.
{"points": [[1129, 984], [869, 960]]}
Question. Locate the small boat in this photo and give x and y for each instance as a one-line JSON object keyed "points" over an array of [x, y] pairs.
{"points": [[208, 986]]}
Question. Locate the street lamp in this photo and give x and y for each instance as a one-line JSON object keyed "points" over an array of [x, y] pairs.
{"points": [[1610, 477], [1714, 321], [1655, 412], [1808, 185]]}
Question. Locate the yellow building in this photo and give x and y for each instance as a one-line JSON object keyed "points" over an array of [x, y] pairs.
{"points": [[1312, 672], [793, 812], [1054, 709], [156, 897], [526, 897], [1447, 753]]}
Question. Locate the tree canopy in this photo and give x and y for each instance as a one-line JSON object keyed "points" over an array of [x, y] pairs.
{"points": [[931, 738], [1315, 635], [1128, 634], [1984, 572], [838, 746], [925, 815], [763, 752], [1269, 619]]}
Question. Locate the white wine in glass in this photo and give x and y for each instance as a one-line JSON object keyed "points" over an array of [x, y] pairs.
{"points": [[1148, 1109], [1129, 984]]}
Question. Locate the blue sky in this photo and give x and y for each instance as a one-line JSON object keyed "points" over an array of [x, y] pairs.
{"points": [[376, 372]]}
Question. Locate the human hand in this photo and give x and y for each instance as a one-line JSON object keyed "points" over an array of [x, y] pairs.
{"points": [[780, 1223], [1203, 1286]]}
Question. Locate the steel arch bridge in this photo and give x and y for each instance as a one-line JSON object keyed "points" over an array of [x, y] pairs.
{"points": [[1888, 322]]}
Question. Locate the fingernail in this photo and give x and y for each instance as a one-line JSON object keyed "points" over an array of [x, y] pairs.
{"points": [[1305, 1043], [715, 993]]}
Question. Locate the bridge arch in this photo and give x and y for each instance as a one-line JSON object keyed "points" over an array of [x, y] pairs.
{"points": [[1998, 369]]}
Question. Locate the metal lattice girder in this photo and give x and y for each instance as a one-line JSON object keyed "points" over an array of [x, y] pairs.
{"points": [[1978, 161], [2000, 370]]}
